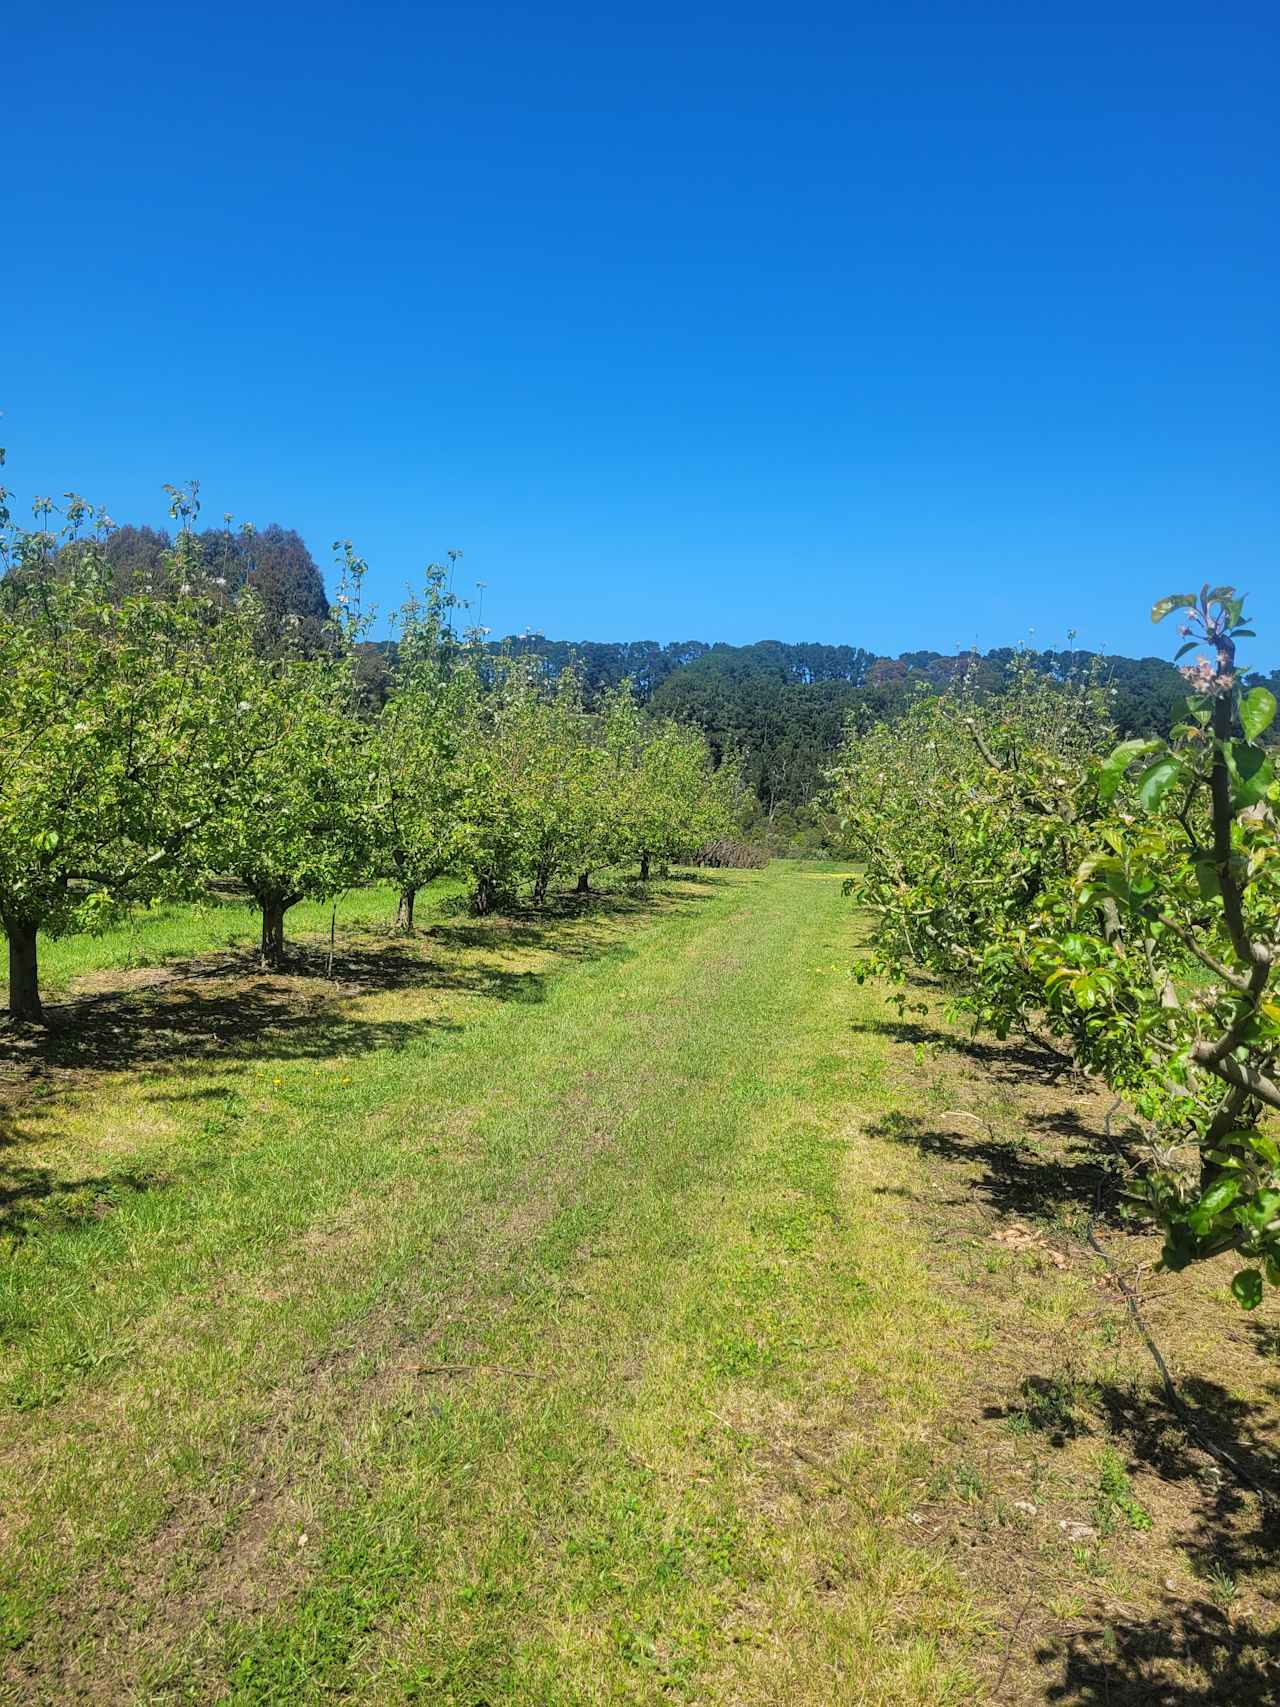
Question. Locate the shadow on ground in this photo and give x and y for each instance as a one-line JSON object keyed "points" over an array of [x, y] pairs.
{"points": [[1198, 1650], [1010, 1061], [1213, 1637], [36, 1196], [1146, 1662], [1072, 1166], [223, 1008]]}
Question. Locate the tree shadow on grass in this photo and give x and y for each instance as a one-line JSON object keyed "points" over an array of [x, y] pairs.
{"points": [[1199, 1650], [197, 1022], [33, 1198], [1190, 1655], [1011, 1061], [544, 926], [224, 1006], [1025, 1177]]}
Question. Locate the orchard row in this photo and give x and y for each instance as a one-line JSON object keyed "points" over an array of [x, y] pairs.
{"points": [[1121, 902], [158, 743]]}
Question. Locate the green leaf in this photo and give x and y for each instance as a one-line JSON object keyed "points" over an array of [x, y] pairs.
{"points": [[1246, 1288], [1253, 773], [1118, 761], [1207, 880], [1262, 1211], [1257, 708], [1156, 781], [1172, 601], [1220, 1195]]}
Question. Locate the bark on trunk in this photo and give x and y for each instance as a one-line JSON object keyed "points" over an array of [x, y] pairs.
{"points": [[24, 974], [644, 867], [404, 912], [273, 911], [482, 897], [584, 884]]}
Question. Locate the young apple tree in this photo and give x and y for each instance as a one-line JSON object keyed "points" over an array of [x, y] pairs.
{"points": [[118, 726], [294, 822], [415, 764]]}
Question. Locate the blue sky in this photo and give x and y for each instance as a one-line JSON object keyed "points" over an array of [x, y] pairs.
{"points": [[908, 325]]}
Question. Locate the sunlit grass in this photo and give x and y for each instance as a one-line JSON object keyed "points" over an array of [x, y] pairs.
{"points": [[480, 1357], [168, 932]]}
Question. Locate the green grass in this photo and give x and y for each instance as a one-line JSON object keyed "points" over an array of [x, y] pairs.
{"points": [[517, 1357], [544, 1311], [165, 933]]}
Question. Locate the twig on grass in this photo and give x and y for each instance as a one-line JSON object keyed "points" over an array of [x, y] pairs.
{"points": [[1008, 1647], [1179, 1409], [476, 1369], [812, 1459]]}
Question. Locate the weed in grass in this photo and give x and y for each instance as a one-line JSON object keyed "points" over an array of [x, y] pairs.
{"points": [[1091, 1562], [968, 1483], [1115, 1501], [737, 1355], [1054, 1406], [1066, 1606], [1222, 1585]]}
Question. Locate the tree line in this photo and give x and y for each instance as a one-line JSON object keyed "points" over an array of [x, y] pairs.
{"points": [[780, 707], [1116, 899], [163, 735]]}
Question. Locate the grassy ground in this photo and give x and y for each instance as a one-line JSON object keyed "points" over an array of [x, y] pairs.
{"points": [[164, 934], [611, 1305]]}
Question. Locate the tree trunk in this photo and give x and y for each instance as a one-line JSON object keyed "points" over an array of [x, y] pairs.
{"points": [[584, 884], [482, 896], [540, 885], [644, 866], [24, 973], [404, 913], [273, 911]]}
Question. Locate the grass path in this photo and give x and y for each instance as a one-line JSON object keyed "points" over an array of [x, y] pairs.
{"points": [[582, 1346]]}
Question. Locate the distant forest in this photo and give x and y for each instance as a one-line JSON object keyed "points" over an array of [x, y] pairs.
{"points": [[781, 706]]}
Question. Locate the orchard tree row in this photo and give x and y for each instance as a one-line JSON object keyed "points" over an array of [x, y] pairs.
{"points": [[157, 741], [1121, 901]]}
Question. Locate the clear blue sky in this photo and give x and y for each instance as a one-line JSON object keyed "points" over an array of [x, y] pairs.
{"points": [[902, 325]]}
